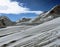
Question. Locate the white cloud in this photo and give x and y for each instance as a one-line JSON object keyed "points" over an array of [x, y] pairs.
{"points": [[36, 12], [8, 7]]}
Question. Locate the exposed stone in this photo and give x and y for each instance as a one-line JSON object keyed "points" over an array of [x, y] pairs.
{"points": [[24, 20], [5, 21]]}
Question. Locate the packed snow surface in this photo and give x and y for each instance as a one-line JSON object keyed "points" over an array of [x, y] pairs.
{"points": [[43, 35]]}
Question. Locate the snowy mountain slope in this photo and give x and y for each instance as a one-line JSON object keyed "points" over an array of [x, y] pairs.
{"points": [[12, 29], [46, 34], [47, 16], [45, 27], [39, 39], [44, 17]]}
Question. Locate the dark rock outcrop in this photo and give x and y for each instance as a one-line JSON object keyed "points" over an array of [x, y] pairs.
{"points": [[5, 21]]}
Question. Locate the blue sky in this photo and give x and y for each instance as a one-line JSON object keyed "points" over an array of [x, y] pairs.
{"points": [[17, 9], [43, 5]]}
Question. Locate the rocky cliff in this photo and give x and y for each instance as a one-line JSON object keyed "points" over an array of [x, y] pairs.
{"points": [[6, 21]]}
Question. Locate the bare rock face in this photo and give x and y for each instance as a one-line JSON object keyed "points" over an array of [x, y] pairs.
{"points": [[55, 11], [5, 21], [1, 24]]}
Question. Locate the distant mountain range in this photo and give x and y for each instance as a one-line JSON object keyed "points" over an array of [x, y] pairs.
{"points": [[43, 17]]}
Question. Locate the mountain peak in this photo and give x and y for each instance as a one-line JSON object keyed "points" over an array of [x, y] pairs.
{"points": [[55, 10]]}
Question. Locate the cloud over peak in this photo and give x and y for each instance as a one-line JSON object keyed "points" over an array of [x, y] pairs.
{"points": [[8, 7]]}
